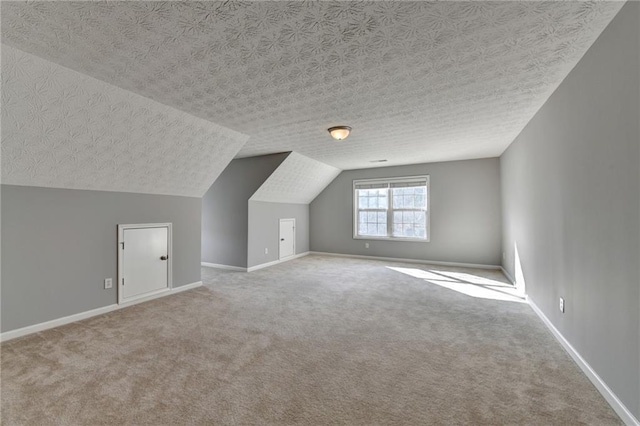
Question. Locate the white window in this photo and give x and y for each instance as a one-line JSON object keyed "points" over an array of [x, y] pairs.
{"points": [[394, 208]]}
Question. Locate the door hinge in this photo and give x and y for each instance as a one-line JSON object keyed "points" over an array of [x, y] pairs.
{"points": [[123, 282], [122, 245]]}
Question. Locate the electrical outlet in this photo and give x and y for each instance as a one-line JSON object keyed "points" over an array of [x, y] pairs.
{"points": [[266, 251], [562, 305], [366, 245], [108, 283]]}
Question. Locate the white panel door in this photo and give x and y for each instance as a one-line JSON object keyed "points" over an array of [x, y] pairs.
{"points": [[287, 238], [145, 263]]}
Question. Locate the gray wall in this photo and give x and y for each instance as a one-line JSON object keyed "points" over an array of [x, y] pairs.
{"points": [[59, 245], [571, 205], [225, 209], [264, 229], [465, 214]]}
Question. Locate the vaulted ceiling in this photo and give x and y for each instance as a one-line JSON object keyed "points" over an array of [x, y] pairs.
{"points": [[417, 81], [64, 129], [298, 180]]}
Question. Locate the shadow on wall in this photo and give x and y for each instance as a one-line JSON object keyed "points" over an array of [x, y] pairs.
{"points": [[467, 284]]}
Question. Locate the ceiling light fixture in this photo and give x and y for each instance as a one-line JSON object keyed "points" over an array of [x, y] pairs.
{"points": [[339, 132]]}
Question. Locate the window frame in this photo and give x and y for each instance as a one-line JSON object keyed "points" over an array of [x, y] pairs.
{"points": [[390, 210]]}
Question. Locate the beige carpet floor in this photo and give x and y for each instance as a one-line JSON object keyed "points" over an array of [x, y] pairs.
{"points": [[315, 341]]}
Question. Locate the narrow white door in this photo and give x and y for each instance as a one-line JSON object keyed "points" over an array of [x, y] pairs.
{"points": [[287, 238], [144, 261]]}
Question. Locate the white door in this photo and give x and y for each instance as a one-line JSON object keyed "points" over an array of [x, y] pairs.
{"points": [[144, 261], [287, 238]]}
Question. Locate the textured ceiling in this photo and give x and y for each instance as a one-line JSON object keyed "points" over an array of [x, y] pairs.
{"points": [[297, 180], [64, 129], [417, 81]]}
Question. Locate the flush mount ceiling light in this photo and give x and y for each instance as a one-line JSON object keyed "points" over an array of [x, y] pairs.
{"points": [[339, 132]]}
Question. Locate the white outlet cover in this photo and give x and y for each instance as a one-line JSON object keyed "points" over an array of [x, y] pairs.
{"points": [[108, 283]]}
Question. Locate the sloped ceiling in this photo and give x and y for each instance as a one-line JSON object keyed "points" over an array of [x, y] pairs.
{"points": [[418, 81], [297, 180], [64, 129]]}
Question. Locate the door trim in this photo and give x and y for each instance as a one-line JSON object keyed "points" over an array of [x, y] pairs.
{"points": [[293, 219], [121, 229]]}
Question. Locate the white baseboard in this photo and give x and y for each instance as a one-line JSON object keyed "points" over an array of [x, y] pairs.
{"points": [[186, 287], [508, 275], [8, 335], [418, 261], [13, 334], [160, 294], [275, 262], [597, 381], [227, 267]]}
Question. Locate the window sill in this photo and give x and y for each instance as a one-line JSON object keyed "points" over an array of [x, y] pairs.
{"points": [[395, 239]]}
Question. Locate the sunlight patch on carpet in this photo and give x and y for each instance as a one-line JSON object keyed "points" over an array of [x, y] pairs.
{"points": [[466, 283]]}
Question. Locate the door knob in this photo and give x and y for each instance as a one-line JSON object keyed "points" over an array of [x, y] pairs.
{"points": [[164, 257]]}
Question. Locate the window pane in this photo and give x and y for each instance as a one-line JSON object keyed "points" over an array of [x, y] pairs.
{"points": [[409, 231], [362, 202], [409, 198], [409, 202], [372, 223], [362, 228], [382, 199], [380, 203], [362, 217], [408, 208], [371, 192], [409, 224]]}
